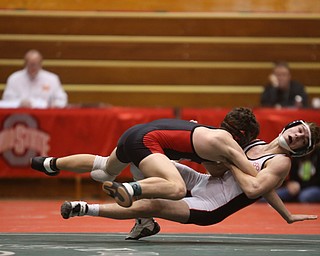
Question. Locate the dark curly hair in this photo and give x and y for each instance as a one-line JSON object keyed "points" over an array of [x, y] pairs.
{"points": [[315, 133], [242, 124]]}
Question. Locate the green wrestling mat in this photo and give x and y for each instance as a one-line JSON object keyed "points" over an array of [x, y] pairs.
{"points": [[113, 244]]}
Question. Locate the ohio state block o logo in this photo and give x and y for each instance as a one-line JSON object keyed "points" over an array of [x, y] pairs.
{"points": [[20, 140]]}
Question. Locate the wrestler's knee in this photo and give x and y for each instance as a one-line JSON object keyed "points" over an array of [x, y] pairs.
{"points": [[178, 190], [146, 207]]}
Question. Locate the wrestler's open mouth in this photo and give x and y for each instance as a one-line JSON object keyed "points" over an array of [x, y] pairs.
{"points": [[290, 139]]}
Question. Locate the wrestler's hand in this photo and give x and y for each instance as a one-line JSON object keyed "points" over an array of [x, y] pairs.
{"points": [[274, 80], [301, 217]]}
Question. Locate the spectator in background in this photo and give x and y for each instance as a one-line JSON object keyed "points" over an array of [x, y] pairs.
{"points": [[281, 91], [303, 183], [34, 87]]}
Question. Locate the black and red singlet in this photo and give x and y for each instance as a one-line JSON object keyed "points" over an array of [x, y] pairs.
{"points": [[171, 137]]}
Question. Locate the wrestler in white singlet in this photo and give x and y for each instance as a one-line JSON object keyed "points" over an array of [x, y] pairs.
{"points": [[213, 199]]}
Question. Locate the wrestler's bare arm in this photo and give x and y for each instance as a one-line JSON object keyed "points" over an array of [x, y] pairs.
{"points": [[265, 183], [269, 178], [218, 145], [274, 200], [235, 155]]}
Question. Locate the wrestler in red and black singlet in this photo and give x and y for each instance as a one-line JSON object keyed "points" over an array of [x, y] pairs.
{"points": [[171, 137]]}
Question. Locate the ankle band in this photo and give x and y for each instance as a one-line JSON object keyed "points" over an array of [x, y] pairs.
{"points": [[136, 188]]}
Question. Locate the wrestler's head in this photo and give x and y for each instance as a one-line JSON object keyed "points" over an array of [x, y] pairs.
{"points": [[299, 138], [242, 124]]}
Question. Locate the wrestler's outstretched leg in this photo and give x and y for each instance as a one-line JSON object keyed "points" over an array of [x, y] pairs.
{"points": [[177, 211], [79, 163]]}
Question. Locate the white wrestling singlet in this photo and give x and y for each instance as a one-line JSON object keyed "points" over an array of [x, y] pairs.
{"points": [[213, 199]]}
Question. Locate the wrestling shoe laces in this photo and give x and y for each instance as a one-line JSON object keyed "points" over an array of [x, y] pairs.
{"points": [[143, 227], [72, 209], [119, 192], [45, 165]]}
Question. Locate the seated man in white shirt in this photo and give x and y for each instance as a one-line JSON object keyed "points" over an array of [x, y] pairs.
{"points": [[33, 87]]}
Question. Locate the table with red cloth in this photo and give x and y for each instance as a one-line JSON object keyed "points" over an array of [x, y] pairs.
{"points": [[25, 133]]}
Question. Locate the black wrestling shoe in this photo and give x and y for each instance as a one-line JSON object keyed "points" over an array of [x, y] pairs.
{"points": [[45, 165], [72, 209], [119, 192], [143, 227]]}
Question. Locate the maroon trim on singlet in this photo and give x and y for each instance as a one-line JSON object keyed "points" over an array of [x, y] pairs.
{"points": [[205, 218], [177, 140]]}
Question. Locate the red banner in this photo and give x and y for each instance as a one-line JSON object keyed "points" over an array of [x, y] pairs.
{"points": [[60, 132]]}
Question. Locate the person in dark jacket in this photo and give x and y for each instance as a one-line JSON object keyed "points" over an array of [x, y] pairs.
{"points": [[282, 91]]}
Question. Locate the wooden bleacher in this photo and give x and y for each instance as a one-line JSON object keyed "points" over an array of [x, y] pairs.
{"points": [[275, 6], [180, 59]]}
